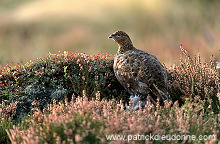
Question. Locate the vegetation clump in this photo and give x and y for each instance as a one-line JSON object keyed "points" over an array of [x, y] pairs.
{"points": [[195, 81], [56, 77], [75, 98]]}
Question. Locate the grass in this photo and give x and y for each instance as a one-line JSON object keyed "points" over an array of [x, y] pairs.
{"points": [[75, 98], [29, 30]]}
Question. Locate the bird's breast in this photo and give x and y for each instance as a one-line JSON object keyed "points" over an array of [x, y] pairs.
{"points": [[126, 67]]}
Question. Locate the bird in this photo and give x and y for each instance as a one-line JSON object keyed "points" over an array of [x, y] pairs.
{"points": [[139, 72]]}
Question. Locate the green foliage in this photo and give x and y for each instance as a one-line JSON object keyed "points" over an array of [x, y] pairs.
{"points": [[5, 124]]}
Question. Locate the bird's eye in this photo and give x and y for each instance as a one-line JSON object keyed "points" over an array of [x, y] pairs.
{"points": [[118, 35]]}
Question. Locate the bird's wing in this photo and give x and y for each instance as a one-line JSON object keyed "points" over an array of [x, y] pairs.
{"points": [[128, 69], [139, 72], [155, 75]]}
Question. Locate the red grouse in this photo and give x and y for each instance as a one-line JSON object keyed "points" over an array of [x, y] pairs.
{"points": [[139, 72]]}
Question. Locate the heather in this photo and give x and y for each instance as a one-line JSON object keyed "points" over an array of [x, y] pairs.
{"points": [[75, 98], [58, 76], [84, 121]]}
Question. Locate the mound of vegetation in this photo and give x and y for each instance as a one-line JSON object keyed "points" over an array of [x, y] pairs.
{"points": [[42, 98], [56, 77]]}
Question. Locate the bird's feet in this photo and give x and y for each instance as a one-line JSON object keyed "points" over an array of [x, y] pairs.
{"points": [[136, 102]]}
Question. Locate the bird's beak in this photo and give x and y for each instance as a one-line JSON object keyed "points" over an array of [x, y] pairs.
{"points": [[111, 36]]}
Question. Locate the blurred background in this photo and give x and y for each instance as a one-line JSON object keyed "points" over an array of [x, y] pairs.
{"points": [[32, 28]]}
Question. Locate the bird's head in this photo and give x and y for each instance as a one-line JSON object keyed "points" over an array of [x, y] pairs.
{"points": [[121, 38]]}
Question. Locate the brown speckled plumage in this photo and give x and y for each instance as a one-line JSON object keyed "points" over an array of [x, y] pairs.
{"points": [[139, 72]]}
